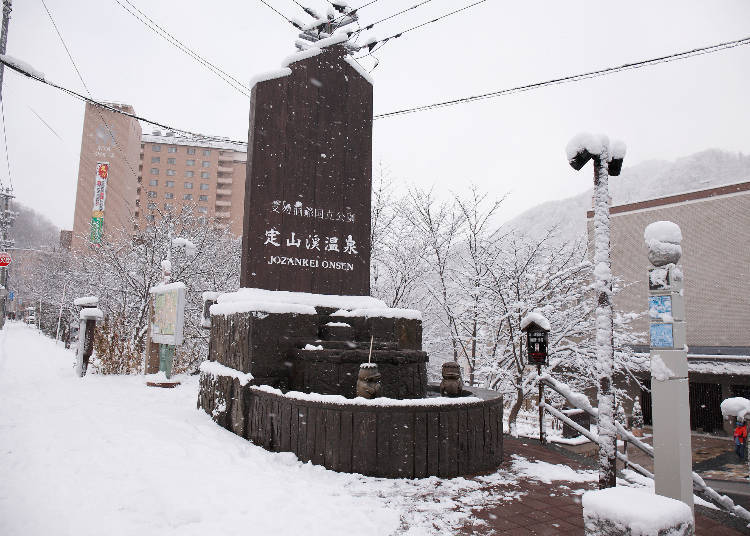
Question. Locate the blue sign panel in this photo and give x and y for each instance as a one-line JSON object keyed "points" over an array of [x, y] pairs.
{"points": [[11, 295], [662, 336], [660, 308]]}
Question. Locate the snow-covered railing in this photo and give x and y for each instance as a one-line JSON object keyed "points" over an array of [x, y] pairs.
{"points": [[581, 401]]}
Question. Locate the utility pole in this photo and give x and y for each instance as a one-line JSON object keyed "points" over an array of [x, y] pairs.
{"points": [[6, 194]]}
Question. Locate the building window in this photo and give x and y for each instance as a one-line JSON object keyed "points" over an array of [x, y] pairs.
{"points": [[167, 206], [171, 172], [188, 197], [189, 162], [204, 186], [205, 175], [189, 173], [152, 206], [206, 152], [150, 218], [202, 210], [172, 161], [169, 195], [156, 148], [191, 150], [151, 193], [188, 185], [154, 171], [205, 163], [153, 182], [203, 198], [170, 184], [171, 149], [155, 159]]}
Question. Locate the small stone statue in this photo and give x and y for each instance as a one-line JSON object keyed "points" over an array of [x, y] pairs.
{"points": [[368, 381], [451, 384]]}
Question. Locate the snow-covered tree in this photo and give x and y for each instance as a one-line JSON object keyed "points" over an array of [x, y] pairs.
{"points": [[637, 418]]}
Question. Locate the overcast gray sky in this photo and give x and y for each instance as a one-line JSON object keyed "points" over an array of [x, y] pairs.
{"points": [[513, 144]]}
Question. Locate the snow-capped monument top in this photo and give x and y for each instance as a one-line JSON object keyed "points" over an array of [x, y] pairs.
{"points": [[309, 176]]}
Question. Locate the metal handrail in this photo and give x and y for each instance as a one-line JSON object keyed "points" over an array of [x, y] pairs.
{"points": [[699, 486]]}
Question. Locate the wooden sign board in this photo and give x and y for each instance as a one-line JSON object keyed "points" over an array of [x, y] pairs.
{"points": [[309, 180]]}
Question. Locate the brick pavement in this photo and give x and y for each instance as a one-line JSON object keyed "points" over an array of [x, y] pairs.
{"points": [[548, 509]]}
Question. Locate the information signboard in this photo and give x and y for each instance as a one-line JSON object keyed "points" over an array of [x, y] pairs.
{"points": [[660, 307], [662, 335], [168, 317]]}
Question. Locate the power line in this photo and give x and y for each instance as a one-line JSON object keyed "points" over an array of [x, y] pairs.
{"points": [[280, 14], [45, 123], [415, 6], [171, 39], [101, 116], [383, 42], [108, 107], [575, 78]]}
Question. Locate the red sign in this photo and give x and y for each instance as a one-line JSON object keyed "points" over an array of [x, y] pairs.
{"points": [[4, 259], [102, 170]]}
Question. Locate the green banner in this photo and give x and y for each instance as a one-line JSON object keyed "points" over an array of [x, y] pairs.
{"points": [[97, 226]]}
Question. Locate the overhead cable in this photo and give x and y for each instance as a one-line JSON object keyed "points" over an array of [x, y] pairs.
{"points": [[171, 39], [574, 78]]}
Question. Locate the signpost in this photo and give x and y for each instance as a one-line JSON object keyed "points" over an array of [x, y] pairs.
{"points": [[669, 368]]}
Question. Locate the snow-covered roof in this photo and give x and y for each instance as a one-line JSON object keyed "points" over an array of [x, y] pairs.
{"points": [[86, 300], [238, 146], [91, 313], [537, 318]]}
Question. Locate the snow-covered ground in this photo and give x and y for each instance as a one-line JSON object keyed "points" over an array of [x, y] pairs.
{"points": [[108, 455]]}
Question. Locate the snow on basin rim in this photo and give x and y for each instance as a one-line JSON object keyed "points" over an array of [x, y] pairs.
{"points": [[302, 298], [359, 401], [663, 231], [86, 300], [166, 288], [643, 513], [537, 318], [735, 407], [387, 312]]}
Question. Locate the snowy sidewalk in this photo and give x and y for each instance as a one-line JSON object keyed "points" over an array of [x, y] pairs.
{"points": [[108, 455]]}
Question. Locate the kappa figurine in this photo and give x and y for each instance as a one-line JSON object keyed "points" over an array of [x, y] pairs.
{"points": [[451, 384], [368, 381]]}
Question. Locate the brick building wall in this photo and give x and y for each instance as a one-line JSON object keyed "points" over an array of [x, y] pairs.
{"points": [[715, 225]]}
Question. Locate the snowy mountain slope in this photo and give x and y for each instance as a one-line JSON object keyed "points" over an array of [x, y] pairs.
{"points": [[647, 180]]}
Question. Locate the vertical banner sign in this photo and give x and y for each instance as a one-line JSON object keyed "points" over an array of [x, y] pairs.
{"points": [[100, 196]]}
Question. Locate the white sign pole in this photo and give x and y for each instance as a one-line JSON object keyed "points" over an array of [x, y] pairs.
{"points": [[673, 472]]}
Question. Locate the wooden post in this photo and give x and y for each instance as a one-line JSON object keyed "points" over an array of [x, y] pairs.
{"points": [[542, 434]]}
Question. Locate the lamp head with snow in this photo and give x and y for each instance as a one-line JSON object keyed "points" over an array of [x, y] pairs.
{"points": [[584, 147]]}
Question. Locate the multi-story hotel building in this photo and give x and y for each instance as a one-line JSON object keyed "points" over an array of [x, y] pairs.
{"points": [[208, 176], [127, 180]]}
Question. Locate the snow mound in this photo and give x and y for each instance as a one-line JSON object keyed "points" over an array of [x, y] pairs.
{"points": [[663, 231], [659, 370], [593, 143], [380, 312], [233, 307], [91, 301], [537, 318], [217, 369], [547, 472], [735, 407], [301, 298], [91, 313], [643, 513]]}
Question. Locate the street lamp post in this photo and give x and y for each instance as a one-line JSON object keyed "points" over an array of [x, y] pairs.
{"points": [[607, 161]]}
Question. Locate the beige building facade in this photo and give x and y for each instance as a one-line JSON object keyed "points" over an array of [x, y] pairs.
{"points": [[110, 148], [715, 225], [206, 176]]}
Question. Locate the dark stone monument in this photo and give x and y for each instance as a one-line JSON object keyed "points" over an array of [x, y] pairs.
{"points": [[286, 350], [309, 179]]}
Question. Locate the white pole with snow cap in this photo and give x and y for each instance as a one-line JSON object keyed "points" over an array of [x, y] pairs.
{"points": [[673, 473], [607, 161]]}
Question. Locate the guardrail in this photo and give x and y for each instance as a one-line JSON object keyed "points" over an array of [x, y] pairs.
{"points": [[581, 401]]}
